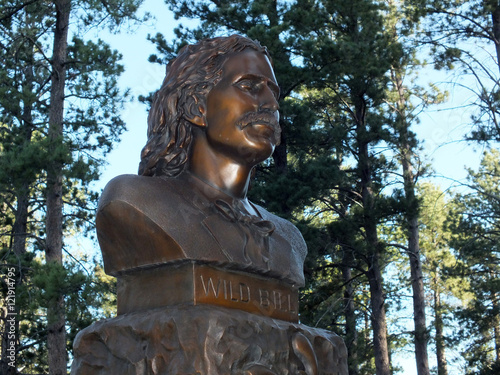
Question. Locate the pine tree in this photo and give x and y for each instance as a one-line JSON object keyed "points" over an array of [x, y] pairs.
{"points": [[476, 228], [355, 54], [444, 285], [407, 100], [59, 103]]}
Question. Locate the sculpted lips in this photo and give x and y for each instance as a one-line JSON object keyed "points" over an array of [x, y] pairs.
{"points": [[264, 118]]}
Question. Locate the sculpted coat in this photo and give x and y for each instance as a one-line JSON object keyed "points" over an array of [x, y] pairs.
{"points": [[146, 221]]}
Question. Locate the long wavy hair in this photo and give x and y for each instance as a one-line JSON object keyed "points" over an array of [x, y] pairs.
{"points": [[189, 78]]}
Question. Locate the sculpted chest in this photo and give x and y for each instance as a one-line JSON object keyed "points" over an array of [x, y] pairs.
{"points": [[143, 222]]}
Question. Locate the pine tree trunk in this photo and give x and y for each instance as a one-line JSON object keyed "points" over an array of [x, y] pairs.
{"points": [[5, 367], [417, 284], [442, 366], [377, 296], [19, 230], [496, 327], [417, 279], [279, 156], [56, 339], [412, 216], [280, 152], [351, 333], [495, 17], [20, 225], [379, 321]]}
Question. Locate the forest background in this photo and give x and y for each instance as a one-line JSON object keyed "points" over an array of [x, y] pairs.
{"points": [[383, 104]]}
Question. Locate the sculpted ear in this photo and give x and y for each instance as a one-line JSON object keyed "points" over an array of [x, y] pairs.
{"points": [[196, 115], [198, 121]]}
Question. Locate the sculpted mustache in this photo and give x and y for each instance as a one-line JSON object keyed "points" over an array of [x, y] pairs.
{"points": [[267, 118], [263, 117]]}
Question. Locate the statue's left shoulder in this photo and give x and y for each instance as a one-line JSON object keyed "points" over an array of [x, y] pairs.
{"points": [[298, 248]]}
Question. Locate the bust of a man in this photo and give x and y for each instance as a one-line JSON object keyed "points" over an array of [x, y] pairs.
{"points": [[212, 121]]}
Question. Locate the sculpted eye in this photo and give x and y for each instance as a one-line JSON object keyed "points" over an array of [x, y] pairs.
{"points": [[246, 85]]}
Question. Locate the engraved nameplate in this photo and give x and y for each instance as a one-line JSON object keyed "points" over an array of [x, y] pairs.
{"points": [[245, 292], [191, 283]]}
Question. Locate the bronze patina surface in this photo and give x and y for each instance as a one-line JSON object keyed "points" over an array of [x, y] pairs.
{"points": [[145, 221], [207, 280]]}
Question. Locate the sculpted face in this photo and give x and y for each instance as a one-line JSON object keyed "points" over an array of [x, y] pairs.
{"points": [[242, 119]]}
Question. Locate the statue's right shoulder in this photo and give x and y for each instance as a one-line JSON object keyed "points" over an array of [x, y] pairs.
{"points": [[132, 219], [136, 190]]}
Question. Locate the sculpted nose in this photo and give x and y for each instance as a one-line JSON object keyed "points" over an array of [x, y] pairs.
{"points": [[268, 100]]}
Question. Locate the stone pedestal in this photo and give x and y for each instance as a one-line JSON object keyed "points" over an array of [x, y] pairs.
{"points": [[205, 340]]}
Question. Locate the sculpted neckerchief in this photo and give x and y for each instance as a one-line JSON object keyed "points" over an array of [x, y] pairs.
{"points": [[242, 237], [255, 229]]}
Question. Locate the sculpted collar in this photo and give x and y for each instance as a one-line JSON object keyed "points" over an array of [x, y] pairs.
{"points": [[252, 232]]}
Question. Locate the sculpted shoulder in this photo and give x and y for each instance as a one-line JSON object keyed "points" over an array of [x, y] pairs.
{"points": [[130, 233], [133, 189]]}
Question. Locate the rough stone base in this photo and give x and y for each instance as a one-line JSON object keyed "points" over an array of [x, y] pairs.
{"points": [[205, 340]]}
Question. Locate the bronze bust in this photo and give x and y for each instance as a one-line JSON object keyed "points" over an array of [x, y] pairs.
{"points": [[214, 118], [207, 281]]}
